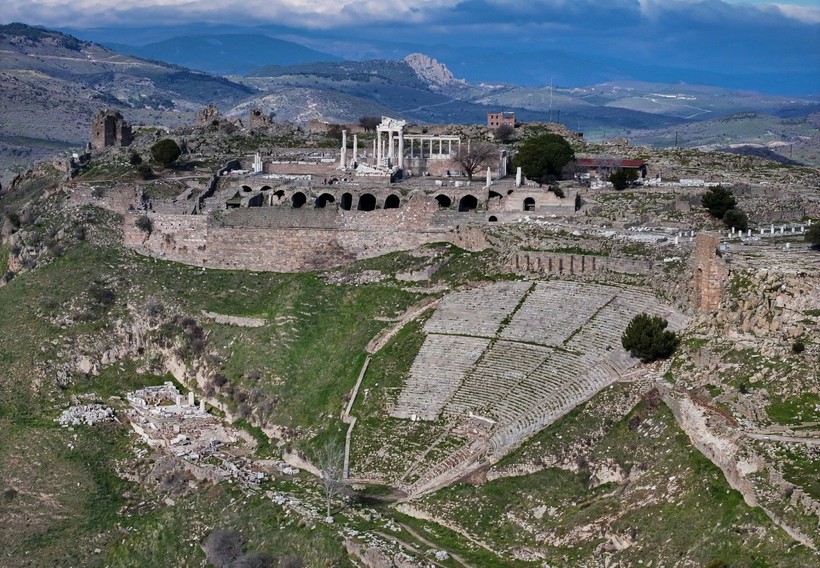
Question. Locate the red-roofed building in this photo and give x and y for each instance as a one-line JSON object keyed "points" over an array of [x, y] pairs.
{"points": [[605, 165]]}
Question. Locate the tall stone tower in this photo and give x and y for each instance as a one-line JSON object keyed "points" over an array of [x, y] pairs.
{"points": [[710, 272], [109, 129]]}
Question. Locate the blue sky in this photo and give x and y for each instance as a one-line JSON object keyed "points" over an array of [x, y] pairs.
{"points": [[741, 43]]}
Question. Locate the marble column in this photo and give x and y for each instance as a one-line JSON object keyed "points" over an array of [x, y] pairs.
{"points": [[343, 162]]}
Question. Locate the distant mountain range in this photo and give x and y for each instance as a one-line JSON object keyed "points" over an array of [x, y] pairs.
{"points": [[52, 83], [228, 54]]}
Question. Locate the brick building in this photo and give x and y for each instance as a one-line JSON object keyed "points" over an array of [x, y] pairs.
{"points": [[496, 119]]}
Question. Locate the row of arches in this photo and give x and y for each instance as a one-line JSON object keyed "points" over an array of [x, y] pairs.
{"points": [[365, 201]]}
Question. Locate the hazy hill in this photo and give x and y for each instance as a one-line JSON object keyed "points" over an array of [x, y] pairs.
{"points": [[229, 54], [51, 85]]}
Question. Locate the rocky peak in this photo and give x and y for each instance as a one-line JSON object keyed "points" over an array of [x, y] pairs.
{"points": [[431, 71]]}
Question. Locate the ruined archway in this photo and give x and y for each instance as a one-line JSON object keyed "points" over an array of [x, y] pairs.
{"points": [[443, 201], [234, 202], [392, 202], [494, 194], [279, 193], [256, 201], [468, 203], [323, 200], [298, 199], [247, 188], [492, 219], [347, 202], [529, 204], [265, 188], [367, 202]]}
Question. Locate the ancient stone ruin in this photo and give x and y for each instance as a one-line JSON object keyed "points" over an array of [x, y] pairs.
{"points": [[109, 129], [710, 272]]}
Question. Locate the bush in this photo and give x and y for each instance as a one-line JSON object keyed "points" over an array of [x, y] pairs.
{"points": [[222, 547], [166, 151], [145, 171], [737, 219], [718, 200], [621, 178], [135, 159], [144, 224], [646, 337]]}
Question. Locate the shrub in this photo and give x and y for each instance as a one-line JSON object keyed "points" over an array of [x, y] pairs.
{"points": [[737, 219], [798, 347], [646, 337], [145, 171], [291, 562], [222, 547], [135, 159], [101, 296], [166, 151], [144, 224]]}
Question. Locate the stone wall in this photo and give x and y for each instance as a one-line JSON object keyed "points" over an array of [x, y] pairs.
{"points": [[294, 240], [562, 264]]}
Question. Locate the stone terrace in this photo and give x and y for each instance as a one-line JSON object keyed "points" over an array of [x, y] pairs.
{"points": [[477, 312], [436, 373]]}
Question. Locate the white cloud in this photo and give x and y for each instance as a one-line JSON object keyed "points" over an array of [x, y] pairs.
{"points": [[301, 13], [807, 14]]}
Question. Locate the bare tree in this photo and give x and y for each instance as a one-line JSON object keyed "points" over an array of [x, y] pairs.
{"points": [[369, 123], [330, 461], [504, 133], [473, 156]]}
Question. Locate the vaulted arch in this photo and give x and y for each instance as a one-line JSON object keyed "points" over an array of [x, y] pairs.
{"points": [[468, 203], [298, 199], [367, 202], [392, 202]]}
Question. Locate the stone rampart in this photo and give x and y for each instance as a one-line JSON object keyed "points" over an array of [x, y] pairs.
{"points": [[295, 240]]}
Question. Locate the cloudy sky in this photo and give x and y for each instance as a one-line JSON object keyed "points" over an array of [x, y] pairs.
{"points": [[756, 44]]}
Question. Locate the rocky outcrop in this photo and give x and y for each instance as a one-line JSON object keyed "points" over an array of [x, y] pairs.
{"points": [[430, 71]]}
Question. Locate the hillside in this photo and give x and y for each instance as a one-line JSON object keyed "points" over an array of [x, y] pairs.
{"points": [[491, 414], [51, 85]]}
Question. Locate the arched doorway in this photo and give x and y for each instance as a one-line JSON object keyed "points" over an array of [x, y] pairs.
{"points": [[346, 202], [323, 200], [392, 202], [443, 201], [492, 219], [256, 201], [468, 203], [367, 202], [298, 199], [529, 204]]}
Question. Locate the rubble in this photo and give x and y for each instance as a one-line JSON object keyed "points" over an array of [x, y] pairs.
{"points": [[88, 414]]}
